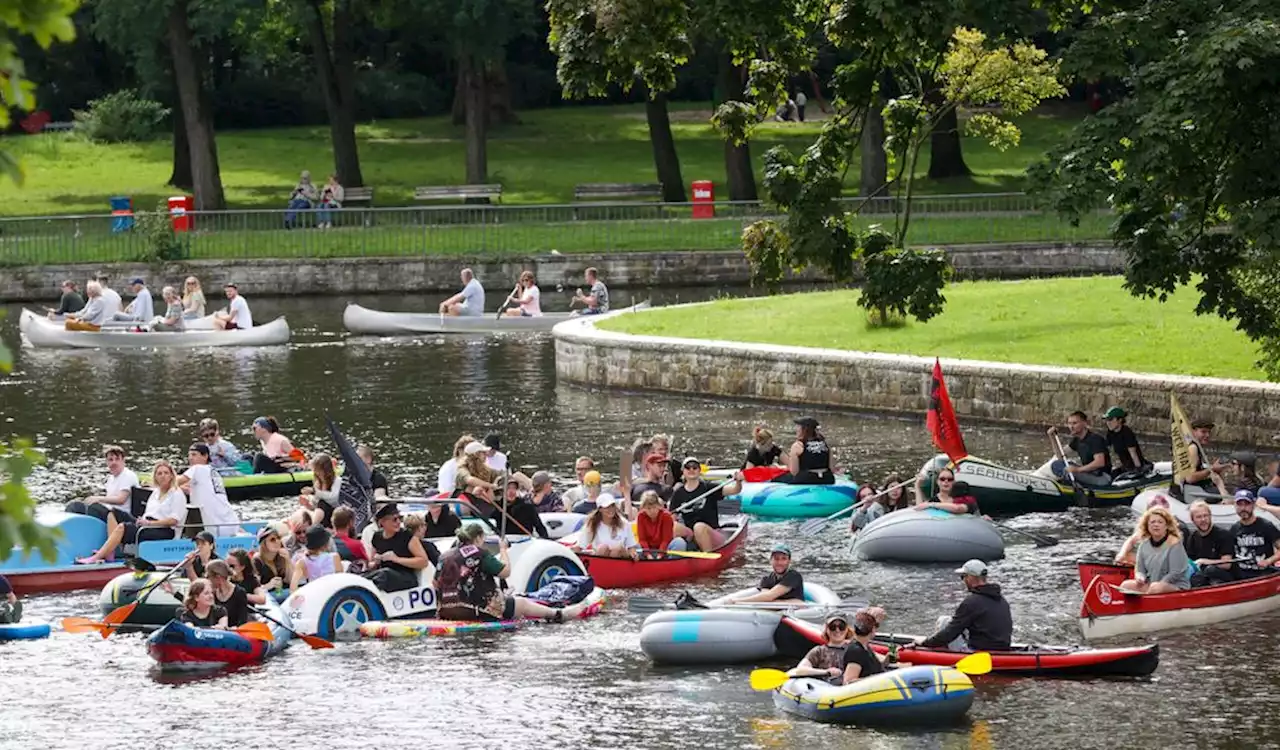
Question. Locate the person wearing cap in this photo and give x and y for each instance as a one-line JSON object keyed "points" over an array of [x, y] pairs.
{"points": [[276, 454], [1243, 472], [165, 513], [809, 459], [205, 553], [524, 514], [469, 302], [70, 302], [494, 458], [317, 561], [207, 492], [982, 622], [1160, 565], [859, 660], [592, 493], [1094, 468], [398, 554], [656, 468], [1122, 440], [545, 498], [1205, 478], [607, 532], [473, 476], [696, 503], [142, 308], [271, 563], [237, 316], [827, 661], [1209, 546], [782, 584], [1257, 545]]}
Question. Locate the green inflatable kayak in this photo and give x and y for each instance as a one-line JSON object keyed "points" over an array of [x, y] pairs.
{"points": [[246, 485]]}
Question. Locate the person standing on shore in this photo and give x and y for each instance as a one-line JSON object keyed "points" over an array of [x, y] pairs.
{"points": [[800, 101], [596, 301], [71, 301]]}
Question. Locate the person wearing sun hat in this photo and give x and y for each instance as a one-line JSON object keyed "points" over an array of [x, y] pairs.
{"points": [[982, 622], [1123, 442], [826, 661], [808, 460], [782, 584]]}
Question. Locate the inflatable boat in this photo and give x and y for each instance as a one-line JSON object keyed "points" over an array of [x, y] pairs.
{"points": [[775, 500], [929, 536], [1036, 661], [247, 485], [24, 631], [910, 696], [663, 567], [177, 646], [448, 628]]}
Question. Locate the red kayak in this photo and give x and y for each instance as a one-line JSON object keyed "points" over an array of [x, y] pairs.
{"points": [[1019, 661], [1107, 611], [621, 573]]}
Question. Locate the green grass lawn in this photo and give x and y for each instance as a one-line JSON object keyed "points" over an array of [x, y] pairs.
{"points": [[1083, 322], [537, 161]]}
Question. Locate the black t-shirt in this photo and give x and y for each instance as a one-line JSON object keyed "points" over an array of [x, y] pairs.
{"points": [[856, 653], [791, 579], [237, 606], [1088, 448], [216, 613], [397, 544], [756, 457], [1121, 441], [1258, 539], [640, 488], [524, 513], [1217, 543], [198, 565], [709, 513], [250, 582], [264, 573], [447, 525], [379, 481]]}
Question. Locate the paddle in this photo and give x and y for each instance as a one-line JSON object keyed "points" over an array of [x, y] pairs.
{"points": [[503, 307], [1041, 540], [694, 554], [314, 641], [772, 679], [703, 496], [256, 630], [646, 604], [122, 614], [815, 526]]}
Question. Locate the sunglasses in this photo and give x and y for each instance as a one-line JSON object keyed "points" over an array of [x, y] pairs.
{"points": [[208, 434], [946, 479], [837, 626], [272, 538]]}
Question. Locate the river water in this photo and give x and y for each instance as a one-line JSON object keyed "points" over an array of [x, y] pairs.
{"points": [[586, 684]]}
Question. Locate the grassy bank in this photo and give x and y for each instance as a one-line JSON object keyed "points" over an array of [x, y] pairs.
{"points": [[1090, 322], [539, 160]]}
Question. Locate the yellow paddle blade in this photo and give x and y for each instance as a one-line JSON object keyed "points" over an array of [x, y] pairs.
{"points": [[258, 631], [975, 664], [695, 554], [767, 679]]}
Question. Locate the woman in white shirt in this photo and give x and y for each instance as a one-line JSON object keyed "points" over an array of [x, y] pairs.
{"points": [[606, 533], [446, 479], [528, 299], [320, 499], [165, 514], [208, 494]]}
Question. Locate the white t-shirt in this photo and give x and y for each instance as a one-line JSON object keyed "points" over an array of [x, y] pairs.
{"points": [[208, 494], [122, 481], [448, 477], [240, 311], [143, 307], [531, 302], [170, 505], [473, 298], [606, 535], [111, 301], [497, 462]]}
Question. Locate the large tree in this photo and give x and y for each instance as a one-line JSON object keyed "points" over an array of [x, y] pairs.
{"points": [[1183, 157], [331, 27]]}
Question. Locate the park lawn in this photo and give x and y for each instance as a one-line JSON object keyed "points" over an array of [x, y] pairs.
{"points": [[537, 161], [1076, 322]]}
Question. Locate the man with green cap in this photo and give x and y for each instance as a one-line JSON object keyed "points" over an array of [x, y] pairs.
{"points": [[1123, 442], [782, 584]]}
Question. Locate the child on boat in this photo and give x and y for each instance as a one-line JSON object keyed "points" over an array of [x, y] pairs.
{"points": [[318, 561]]}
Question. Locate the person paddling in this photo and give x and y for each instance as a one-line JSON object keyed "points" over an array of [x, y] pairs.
{"points": [[782, 584], [1094, 468], [469, 302], [526, 301], [827, 661], [859, 660], [700, 523], [982, 622]]}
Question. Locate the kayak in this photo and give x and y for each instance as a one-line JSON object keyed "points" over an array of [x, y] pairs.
{"points": [[1107, 611], [247, 486], [44, 333], [24, 631], [929, 535], [664, 567], [1223, 513], [909, 696], [1003, 491], [177, 646], [383, 629], [775, 500], [1037, 661], [359, 319]]}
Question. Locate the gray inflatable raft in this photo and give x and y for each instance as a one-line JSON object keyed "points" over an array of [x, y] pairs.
{"points": [[929, 536], [710, 636]]}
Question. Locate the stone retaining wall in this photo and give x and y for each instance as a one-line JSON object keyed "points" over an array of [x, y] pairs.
{"points": [[1246, 412], [302, 276]]}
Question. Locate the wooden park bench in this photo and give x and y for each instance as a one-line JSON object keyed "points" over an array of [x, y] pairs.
{"points": [[609, 190], [457, 192], [360, 195]]}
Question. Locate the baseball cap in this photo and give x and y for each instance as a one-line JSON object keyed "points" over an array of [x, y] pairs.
{"points": [[317, 537], [540, 478], [606, 501], [806, 422], [1202, 423], [655, 458], [206, 536], [268, 529], [201, 448], [230, 285], [386, 509], [591, 477], [973, 568], [780, 548], [1244, 496], [691, 460], [836, 616], [138, 280], [1115, 412], [475, 446]]}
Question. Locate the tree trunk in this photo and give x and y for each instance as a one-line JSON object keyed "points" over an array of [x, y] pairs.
{"points": [[874, 163], [737, 158], [664, 148], [206, 179], [499, 95], [181, 175], [476, 107], [945, 157], [335, 70]]}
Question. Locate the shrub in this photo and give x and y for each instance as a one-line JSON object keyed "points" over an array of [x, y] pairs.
{"points": [[901, 282], [120, 117], [159, 241]]}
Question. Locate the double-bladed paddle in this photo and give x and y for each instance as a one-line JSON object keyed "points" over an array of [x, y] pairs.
{"points": [[816, 526], [648, 604], [772, 679], [117, 618], [314, 641]]}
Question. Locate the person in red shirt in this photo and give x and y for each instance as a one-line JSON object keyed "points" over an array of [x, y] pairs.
{"points": [[655, 526], [349, 549], [952, 496]]}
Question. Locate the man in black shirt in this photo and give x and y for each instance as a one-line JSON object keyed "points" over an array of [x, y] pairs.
{"points": [[1094, 468], [699, 519], [781, 585], [1121, 439], [1209, 547], [1257, 547]]}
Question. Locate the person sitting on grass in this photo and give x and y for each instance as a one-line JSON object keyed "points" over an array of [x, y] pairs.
{"points": [[301, 199], [1161, 564]]}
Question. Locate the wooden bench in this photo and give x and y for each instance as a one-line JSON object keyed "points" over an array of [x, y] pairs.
{"points": [[606, 190], [457, 192], [358, 195]]}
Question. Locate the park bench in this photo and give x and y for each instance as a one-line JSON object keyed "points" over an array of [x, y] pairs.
{"points": [[610, 190], [457, 192], [362, 195]]}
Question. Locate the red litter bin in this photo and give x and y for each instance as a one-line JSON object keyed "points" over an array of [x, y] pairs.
{"points": [[704, 197], [180, 208]]}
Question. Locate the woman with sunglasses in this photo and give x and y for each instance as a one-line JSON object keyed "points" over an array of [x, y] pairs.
{"points": [[827, 660], [223, 456], [271, 563], [951, 496], [241, 566], [398, 553]]}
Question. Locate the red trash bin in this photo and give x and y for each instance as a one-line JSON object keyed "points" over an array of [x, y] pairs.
{"points": [[704, 196], [180, 208]]}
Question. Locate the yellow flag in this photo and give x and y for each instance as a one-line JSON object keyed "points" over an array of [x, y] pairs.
{"points": [[1180, 434]]}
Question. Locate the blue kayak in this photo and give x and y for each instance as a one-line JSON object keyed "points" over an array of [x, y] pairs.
{"points": [[24, 631], [773, 500]]}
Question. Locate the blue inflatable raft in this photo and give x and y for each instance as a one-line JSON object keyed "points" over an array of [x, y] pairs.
{"points": [[773, 500], [24, 631], [913, 696]]}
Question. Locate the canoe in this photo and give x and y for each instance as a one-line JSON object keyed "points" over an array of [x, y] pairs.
{"points": [[29, 317], [618, 573], [383, 630], [1224, 513], [241, 487], [1111, 572], [774, 500], [24, 631], [1037, 661], [1003, 491], [911, 696], [1107, 611], [363, 320], [177, 646], [929, 536], [45, 334]]}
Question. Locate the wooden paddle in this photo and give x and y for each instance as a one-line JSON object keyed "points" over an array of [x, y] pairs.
{"points": [[772, 679], [816, 526], [314, 641]]}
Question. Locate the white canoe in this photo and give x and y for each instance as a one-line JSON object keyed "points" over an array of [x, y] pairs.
{"points": [[41, 332], [193, 324], [359, 319]]}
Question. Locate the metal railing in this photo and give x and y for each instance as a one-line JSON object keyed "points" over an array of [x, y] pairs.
{"points": [[506, 229]]}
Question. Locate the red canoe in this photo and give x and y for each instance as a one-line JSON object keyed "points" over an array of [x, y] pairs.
{"points": [[620, 573], [1021, 660], [1107, 611], [1110, 572]]}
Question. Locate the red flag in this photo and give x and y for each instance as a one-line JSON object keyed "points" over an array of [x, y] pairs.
{"points": [[941, 420]]}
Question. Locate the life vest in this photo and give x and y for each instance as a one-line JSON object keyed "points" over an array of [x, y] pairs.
{"points": [[461, 581]]}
